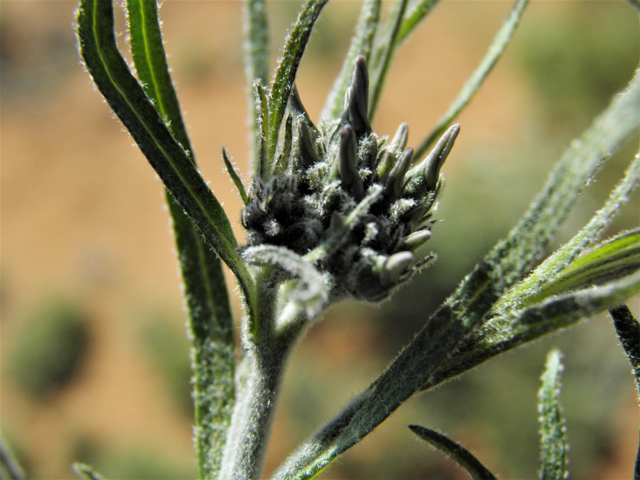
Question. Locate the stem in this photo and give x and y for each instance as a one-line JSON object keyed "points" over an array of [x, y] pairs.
{"points": [[248, 435], [253, 418]]}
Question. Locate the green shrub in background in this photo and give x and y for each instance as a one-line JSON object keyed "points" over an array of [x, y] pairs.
{"points": [[50, 349], [168, 349]]}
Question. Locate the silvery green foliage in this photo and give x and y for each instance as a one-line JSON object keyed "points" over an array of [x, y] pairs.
{"points": [[322, 174], [334, 210]]}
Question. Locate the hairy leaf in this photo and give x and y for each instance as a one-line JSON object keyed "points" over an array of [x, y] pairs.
{"points": [[384, 47], [172, 163], [612, 259], [256, 58], [457, 452], [553, 447], [85, 471], [628, 331], [361, 45], [416, 12], [288, 68]]}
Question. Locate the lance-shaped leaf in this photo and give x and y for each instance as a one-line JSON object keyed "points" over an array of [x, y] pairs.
{"points": [[553, 445], [168, 158], [473, 84], [568, 252], [9, 466], [384, 47], [85, 471], [205, 289], [417, 11], [496, 335], [628, 331], [518, 327], [612, 259], [235, 176], [256, 58], [288, 68], [457, 452], [361, 45]]}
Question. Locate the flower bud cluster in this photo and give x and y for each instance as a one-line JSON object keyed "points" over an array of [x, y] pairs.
{"points": [[356, 196]]}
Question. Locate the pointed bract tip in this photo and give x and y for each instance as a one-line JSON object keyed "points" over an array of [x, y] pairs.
{"points": [[439, 154], [358, 107], [347, 159], [395, 181]]}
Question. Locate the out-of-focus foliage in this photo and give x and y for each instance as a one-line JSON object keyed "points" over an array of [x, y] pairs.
{"points": [[50, 349], [168, 347], [578, 61]]}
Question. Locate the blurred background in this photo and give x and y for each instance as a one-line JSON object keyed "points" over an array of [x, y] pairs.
{"points": [[95, 361]]}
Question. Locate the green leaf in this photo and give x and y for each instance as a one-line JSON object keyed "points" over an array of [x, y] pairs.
{"points": [[416, 12], [553, 447], [177, 171], [518, 327], [539, 279], [151, 66], [85, 471], [519, 251], [612, 259], [256, 57], [473, 84], [9, 466], [384, 47], [361, 44], [457, 452], [257, 44], [628, 331], [206, 293], [235, 177], [288, 68]]}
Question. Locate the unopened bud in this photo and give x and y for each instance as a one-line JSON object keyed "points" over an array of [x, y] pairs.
{"points": [[347, 158]]}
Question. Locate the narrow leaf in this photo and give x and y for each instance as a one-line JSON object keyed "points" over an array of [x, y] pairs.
{"points": [[612, 259], [361, 45], [384, 47], [85, 471], [628, 331], [151, 65], [128, 100], [525, 243], [288, 68], [416, 12], [235, 177], [553, 447], [563, 257], [518, 327], [207, 299], [9, 466], [257, 44], [256, 57], [457, 452], [473, 84]]}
